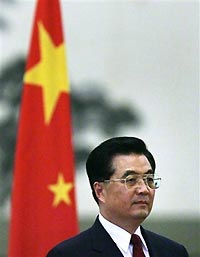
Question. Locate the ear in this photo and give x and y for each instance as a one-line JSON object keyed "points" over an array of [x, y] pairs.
{"points": [[99, 191]]}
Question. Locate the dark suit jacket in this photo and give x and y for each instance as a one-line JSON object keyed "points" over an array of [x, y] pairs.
{"points": [[96, 242]]}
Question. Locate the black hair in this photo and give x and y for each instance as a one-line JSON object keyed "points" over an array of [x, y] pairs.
{"points": [[99, 162]]}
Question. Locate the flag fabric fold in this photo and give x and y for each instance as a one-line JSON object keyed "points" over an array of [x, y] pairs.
{"points": [[43, 206]]}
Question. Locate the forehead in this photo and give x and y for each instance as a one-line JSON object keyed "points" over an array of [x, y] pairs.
{"points": [[137, 163]]}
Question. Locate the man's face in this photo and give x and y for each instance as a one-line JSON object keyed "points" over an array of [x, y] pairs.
{"points": [[124, 205]]}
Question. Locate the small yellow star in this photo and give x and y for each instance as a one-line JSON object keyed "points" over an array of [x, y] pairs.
{"points": [[50, 72], [61, 191]]}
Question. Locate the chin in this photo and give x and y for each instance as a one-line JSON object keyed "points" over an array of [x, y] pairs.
{"points": [[140, 214]]}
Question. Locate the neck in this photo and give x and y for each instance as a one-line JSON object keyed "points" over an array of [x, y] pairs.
{"points": [[129, 225]]}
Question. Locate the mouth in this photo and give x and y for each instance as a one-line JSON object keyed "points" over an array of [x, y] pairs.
{"points": [[140, 202]]}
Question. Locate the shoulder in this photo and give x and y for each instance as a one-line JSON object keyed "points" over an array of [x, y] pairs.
{"points": [[72, 246], [162, 244], [81, 244], [154, 236]]}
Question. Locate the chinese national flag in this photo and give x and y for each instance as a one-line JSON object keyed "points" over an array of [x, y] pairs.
{"points": [[43, 210]]}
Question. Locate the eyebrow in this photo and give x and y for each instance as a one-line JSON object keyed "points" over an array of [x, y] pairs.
{"points": [[133, 172]]}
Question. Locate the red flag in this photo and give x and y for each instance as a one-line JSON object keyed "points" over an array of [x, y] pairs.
{"points": [[43, 210]]}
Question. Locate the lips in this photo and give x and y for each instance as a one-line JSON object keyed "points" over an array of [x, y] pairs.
{"points": [[141, 202]]}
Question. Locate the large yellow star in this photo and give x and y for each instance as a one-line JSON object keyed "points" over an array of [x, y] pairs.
{"points": [[50, 72], [61, 191]]}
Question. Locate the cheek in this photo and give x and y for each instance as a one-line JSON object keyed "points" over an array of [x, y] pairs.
{"points": [[111, 191], [151, 197], [119, 197], [152, 194]]}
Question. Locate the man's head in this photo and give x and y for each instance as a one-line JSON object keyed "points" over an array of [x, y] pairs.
{"points": [[99, 162], [121, 174]]}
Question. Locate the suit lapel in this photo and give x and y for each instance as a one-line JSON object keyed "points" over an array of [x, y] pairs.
{"points": [[104, 246], [150, 243], [102, 243], [153, 244]]}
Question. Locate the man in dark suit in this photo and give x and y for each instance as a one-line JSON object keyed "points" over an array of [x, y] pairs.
{"points": [[122, 176]]}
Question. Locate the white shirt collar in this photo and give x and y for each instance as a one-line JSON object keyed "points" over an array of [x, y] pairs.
{"points": [[120, 236]]}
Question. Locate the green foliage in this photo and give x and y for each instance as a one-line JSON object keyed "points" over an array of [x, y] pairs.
{"points": [[92, 110]]}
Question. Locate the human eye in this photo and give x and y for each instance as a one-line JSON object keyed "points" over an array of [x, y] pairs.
{"points": [[150, 180], [150, 177], [131, 180], [153, 181]]}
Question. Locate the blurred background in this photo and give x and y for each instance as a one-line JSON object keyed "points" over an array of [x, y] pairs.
{"points": [[134, 70]]}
